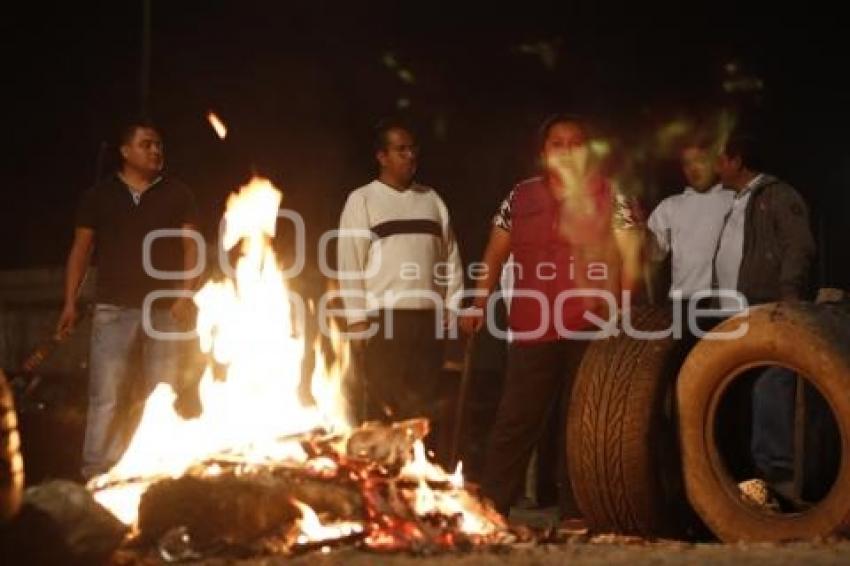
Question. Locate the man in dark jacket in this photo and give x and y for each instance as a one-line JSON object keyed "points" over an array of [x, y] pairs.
{"points": [[766, 245], [765, 253]]}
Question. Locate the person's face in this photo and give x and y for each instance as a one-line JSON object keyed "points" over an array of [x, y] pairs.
{"points": [[729, 170], [565, 147], [698, 167], [398, 159], [144, 151]]}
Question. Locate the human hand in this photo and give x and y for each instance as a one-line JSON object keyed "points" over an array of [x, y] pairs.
{"points": [[471, 320], [67, 321]]}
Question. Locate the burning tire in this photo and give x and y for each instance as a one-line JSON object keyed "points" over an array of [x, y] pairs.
{"points": [[811, 340], [11, 464], [622, 453]]}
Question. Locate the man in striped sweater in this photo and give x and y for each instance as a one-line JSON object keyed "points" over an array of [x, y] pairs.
{"points": [[400, 274]]}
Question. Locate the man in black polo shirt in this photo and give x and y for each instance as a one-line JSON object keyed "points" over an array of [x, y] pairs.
{"points": [[127, 353]]}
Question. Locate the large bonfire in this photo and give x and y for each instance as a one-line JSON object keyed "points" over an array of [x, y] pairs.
{"points": [[306, 475]]}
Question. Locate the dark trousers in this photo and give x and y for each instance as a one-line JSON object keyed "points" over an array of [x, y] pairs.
{"points": [[538, 382], [402, 364], [773, 436], [772, 443], [482, 403]]}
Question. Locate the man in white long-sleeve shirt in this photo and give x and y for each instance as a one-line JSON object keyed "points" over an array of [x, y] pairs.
{"points": [[688, 225], [400, 272]]}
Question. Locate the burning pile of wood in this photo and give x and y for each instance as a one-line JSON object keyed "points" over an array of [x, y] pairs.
{"points": [[374, 488]]}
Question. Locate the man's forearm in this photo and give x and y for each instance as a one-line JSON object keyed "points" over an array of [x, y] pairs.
{"points": [[75, 272], [354, 301], [78, 263], [485, 285]]}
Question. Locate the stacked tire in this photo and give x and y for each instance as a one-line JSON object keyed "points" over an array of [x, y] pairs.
{"points": [[812, 340], [622, 448]]}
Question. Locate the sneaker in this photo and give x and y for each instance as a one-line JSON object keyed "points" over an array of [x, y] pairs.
{"points": [[757, 493]]}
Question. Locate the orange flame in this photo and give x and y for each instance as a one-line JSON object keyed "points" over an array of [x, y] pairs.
{"points": [[419, 467], [244, 323], [456, 479], [313, 531]]}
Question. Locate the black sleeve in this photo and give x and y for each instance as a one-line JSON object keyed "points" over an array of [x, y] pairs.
{"points": [[796, 242]]}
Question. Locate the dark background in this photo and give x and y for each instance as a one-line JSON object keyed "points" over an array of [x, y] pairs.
{"points": [[300, 87]]}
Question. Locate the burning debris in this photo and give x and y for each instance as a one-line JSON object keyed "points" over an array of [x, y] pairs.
{"points": [[330, 499], [258, 471], [217, 125]]}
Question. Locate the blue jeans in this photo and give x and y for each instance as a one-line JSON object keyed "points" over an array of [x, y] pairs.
{"points": [[125, 364], [772, 445]]}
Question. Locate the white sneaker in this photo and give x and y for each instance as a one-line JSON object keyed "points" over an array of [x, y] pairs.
{"points": [[757, 493]]}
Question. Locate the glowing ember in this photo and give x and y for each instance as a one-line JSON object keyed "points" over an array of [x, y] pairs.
{"points": [[313, 531], [323, 467], [217, 125], [420, 468], [425, 501], [212, 470], [474, 518]]}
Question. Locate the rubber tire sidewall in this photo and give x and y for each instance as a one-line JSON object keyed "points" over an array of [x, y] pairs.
{"points": [[790, 336]]}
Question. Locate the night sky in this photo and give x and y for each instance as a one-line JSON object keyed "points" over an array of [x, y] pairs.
{"points": [[300, 89]]}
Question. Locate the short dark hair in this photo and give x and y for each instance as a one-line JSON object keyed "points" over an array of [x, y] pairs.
{"points": [[553, 120], [127, 129], [384, 126], [745, 146]]}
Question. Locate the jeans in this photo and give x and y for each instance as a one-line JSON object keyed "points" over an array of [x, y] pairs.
{"points": [[124, 367], [772, 445]]}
